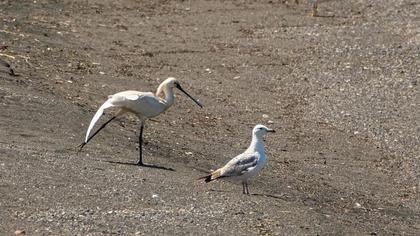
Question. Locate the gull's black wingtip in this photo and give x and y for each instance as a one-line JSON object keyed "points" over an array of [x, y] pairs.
{"points": [[206, 178]]}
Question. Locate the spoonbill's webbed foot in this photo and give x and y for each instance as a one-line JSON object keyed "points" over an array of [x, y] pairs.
{"points": [[80, 147]]}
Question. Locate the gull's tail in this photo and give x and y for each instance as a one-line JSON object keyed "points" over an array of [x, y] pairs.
{"points": [[98, 115], [214, 175]]}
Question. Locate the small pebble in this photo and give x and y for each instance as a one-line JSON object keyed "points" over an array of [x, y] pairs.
{"points": [[20, 232]]}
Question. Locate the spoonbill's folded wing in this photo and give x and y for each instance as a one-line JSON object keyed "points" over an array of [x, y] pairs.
{"points": [[142, 103]]}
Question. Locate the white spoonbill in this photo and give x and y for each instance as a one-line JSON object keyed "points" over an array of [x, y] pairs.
{"points": [[246, 165], [144, 105]]}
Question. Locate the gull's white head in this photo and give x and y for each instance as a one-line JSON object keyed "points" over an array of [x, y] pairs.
{"points": [[260, 130]]}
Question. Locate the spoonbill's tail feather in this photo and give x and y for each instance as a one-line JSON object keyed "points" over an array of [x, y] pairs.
{"points": [[214, 175], [97, 131], [96, 117]]}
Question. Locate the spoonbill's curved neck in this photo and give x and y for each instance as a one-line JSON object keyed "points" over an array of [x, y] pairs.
{"points": [[168, 92]]}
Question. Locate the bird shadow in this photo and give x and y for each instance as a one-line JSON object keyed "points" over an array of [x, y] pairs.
{"points": [[199, 169], [268, 195], [331, 16], [327, 16], [251, 194], [220, 191], [9, 72], [144, 165]]}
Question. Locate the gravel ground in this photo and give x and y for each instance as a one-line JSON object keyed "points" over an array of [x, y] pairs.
{"points": [[341, 89]]}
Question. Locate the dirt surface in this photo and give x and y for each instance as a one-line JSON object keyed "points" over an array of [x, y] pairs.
{"points": [[341, 89]]}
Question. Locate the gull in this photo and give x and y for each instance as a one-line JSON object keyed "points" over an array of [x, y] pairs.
{"points": [[246, 165], [144, 105]]}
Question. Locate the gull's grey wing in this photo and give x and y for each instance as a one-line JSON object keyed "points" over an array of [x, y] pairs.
{"points": [[241, 164]]}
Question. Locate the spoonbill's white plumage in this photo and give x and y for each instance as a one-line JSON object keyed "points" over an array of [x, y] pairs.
{"points": [[246, 165], [144, 105]]}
